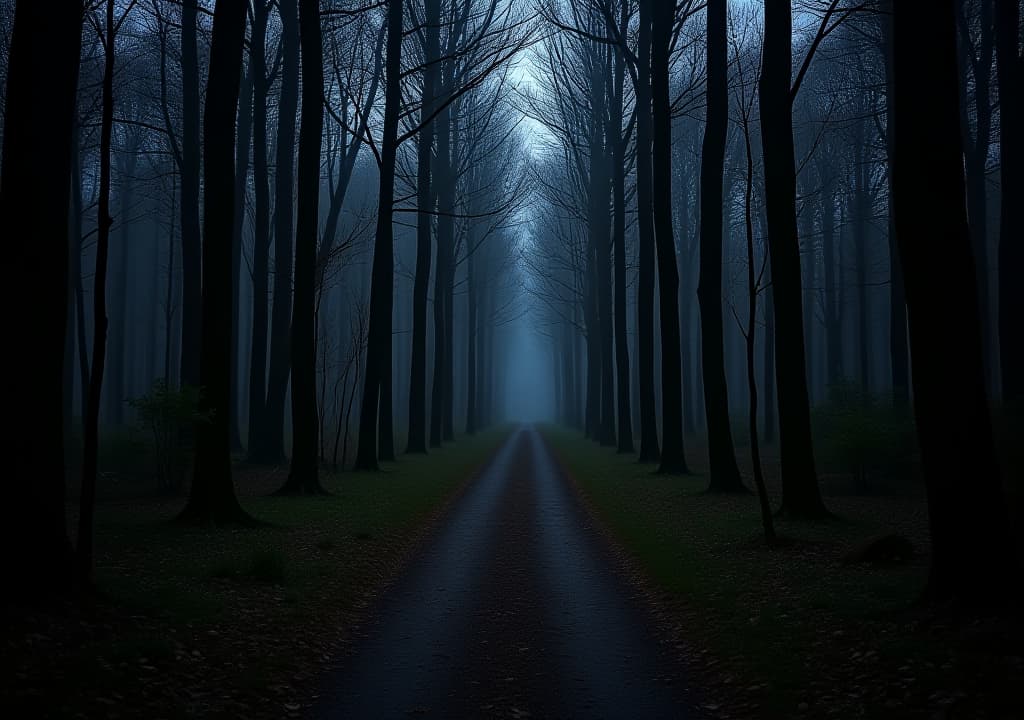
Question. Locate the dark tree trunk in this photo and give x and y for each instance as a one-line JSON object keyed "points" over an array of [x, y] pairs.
{"points": [[976, 154], [801, 497], [861, 217], [471, 340], [378, 349], [1011, 230], [448, 415], [619, 143], [242, 150], [304, 475], [191, 246], [603, 332], [725, 475], [212, 499], [445, 239], [673, 459], [104, 221], [75, 269], [770, 412], [117, 350], [898, 353], [972, 552], [417, 441], [833, 327], [260, 234], [284, 189], [750, 336], [39, 113], [649, 447]]}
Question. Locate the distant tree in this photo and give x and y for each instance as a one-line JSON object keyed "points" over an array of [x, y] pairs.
{"points": [[42, 77], [973, 558], [212, 499]]}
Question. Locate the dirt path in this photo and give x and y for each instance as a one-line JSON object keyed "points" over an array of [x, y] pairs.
{"points": [[511, 610]]}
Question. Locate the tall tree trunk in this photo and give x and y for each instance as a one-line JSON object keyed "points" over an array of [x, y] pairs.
{"points": [[260, 235], [284, 189], [242, 150], [104, 221], [861, 217], [378, 349], [673, 459], [801, 497], [471, 340], [39, 113], [304, 476], [445, 239], [417, 440], [618, 167], [191, 246], [212, 499], [976, 153], [1011, 183], [898, 354], [770, 412], [601, 248], [833, 327], [972, 552], [725, 475], [117, 351], [649, 447]]}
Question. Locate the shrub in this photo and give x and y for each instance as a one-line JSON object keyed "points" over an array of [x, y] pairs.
{"points": [[167, 414], [867, 437]]}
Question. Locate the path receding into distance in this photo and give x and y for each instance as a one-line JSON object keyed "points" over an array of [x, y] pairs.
{"points": [[512, 609]]}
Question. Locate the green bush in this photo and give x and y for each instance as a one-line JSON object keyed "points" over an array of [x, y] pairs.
{"points": [[866, 437], [167, 415]]}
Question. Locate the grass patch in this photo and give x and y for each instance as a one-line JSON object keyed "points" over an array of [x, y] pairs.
{"points": [[791, 630]]}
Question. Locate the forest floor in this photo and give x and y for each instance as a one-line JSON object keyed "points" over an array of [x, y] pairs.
{"points": [[228, 622], [794, 631]]}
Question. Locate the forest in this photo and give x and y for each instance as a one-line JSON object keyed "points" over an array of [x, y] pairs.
{"points": [[513, 358]]}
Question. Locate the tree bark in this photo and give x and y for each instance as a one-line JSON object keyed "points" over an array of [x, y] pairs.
{"points": [[725, 475], [898, 354], [649, 446], [104, 221], [242, 149], [39, 114], [284, 189], [304, 476], [378, 350], [972, 551], [191, 246], [801, 497], [1010, 69], [212, 499], [260, 235], [417, 440], [619, 143], [673, 459]]}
